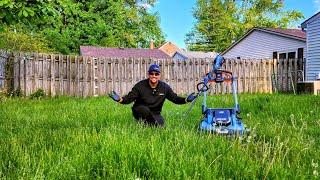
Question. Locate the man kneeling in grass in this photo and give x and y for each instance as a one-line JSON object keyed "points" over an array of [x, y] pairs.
{"points": [[148, 96]]}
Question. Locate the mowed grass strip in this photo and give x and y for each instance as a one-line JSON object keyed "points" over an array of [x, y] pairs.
{"points": [[63, 138]]}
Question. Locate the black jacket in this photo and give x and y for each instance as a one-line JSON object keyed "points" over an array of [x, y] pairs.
{"points": [[143, 94]]}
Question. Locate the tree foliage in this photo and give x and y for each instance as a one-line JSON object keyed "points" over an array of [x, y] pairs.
{"points": [[67, 24], [221, 22], [14, 40]]}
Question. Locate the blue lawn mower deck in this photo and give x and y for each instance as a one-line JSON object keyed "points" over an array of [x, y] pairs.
{"points": [[222, 121]]}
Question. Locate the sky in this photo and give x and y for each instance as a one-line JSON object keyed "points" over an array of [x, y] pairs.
{"points": [[176, 18]]}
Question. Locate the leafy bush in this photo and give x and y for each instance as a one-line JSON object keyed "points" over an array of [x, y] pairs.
{"points": [[21, 40], [3, 97], [39, 94], [6, 94], [14, 93]]}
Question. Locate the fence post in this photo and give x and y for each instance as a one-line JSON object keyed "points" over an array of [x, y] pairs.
{"points": [[269, 75], [3, 65], [16, 74], [9, 73], [53, 75]]}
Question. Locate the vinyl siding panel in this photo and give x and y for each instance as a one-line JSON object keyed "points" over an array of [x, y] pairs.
{"points": [[313, 33], [314, 44], [179, 57], [261, 45], [313, 66], [313, 50], [313, 26]]}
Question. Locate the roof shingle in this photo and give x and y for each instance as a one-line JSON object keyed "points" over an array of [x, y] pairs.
{"points": [[290, 32]]}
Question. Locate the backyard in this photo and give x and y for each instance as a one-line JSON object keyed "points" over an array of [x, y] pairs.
{"points": [[65, 137]]}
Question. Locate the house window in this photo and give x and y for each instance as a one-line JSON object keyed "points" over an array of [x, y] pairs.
{"points": [[291, 55], [287, 55], [282, 55]]}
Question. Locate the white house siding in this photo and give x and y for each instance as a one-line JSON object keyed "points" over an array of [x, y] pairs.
{"points": [[313, 50], [178, 56], [260, 45]]}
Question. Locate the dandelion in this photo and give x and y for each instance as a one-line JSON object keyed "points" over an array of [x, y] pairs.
{"points": [[265, 155], [315, 173], [314, 164], [291, 116], [249, 139], [240, 138]]}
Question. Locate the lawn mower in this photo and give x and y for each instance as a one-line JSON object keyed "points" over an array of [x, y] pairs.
{"points": [[222, 121]]}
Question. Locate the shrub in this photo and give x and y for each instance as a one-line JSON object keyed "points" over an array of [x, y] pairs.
{"points": [[20, 40], [3, 97], [14, 93], [38, 94]]}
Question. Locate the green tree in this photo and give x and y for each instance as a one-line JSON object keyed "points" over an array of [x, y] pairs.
{"points": [[221, 22], [16, 40], [67, 24]]}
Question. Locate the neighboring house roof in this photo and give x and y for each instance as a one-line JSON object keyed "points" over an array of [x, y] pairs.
{"points": [[122, 52], [168, 43], [197, 54], [312, 18], [294, 33], [169, 48], [289, 33]]}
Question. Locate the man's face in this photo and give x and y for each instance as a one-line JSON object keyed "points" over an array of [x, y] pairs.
{"points": [[154, 77]]}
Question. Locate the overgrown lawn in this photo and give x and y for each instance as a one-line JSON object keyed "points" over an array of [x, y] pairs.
{"points": [[65, 138]]}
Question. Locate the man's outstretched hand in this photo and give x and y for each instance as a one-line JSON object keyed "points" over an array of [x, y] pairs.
{"points": [[114, 96], [191, 97]]}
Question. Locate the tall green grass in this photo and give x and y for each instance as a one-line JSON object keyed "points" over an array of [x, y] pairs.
{"points": [[65, 138]]}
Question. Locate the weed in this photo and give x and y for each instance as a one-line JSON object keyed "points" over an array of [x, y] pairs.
{"points": [[39, 94]]}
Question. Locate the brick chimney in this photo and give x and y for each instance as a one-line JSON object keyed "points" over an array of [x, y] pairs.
{"points": [[151, 44]]}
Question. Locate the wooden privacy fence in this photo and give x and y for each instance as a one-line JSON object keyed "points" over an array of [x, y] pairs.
{"points": [[89, 76]]}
